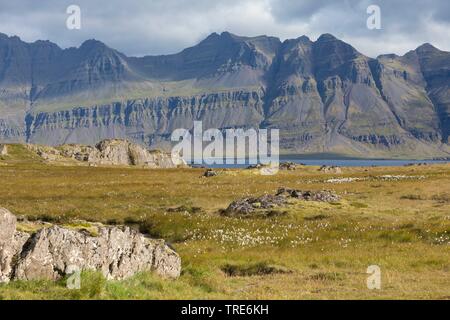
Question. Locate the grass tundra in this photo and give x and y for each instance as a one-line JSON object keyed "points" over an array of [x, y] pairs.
{"points": [[397, 218]]}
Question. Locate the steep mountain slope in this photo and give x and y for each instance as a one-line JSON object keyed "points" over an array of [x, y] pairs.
{"points": [[323, 95], [230, 60], [294, 104], [435, 66]]}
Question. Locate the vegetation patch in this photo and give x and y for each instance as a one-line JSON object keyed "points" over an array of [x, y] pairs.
{"points": [[359, 205], [441, 197], [327, 276], [397, 236], [316, 217], [185, 209], [413, 197], [255, 269]]}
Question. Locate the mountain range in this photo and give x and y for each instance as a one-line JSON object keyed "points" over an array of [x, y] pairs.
{"points": [[324, 96]]}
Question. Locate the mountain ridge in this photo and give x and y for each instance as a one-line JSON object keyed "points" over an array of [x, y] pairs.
{"points": [[323, 95]]}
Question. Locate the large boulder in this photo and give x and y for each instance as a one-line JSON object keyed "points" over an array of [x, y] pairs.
{"points": [[52, 252], [115, 152], [7, 230], [123, 152], [11, 243]]}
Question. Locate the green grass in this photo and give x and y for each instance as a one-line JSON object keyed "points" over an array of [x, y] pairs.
{"points": [[325, 247]]}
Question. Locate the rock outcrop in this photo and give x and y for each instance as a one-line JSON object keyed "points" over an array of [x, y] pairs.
{"points": [[7, 252], [210, 173], [288, 166], [250, 206], [330, 169], [264, 205], [51, 253], [109, 152], [321, 196]]}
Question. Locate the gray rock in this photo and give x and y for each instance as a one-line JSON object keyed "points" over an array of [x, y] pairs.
{"points": [[109, 152], [210, 173], [7, 230], [116, 252], [264, 205], [330, 169], [321, 196], [245, 206], [11, 243], [288, 166]]}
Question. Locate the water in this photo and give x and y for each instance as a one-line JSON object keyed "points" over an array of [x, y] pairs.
{"points": [[361, 162], [339, 162]]}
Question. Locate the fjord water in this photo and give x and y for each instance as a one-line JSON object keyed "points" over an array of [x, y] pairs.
{"points": [[362, 162], [340, 162]]}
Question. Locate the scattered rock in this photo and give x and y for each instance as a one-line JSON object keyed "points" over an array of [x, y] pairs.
{"points": [[50, 253], [256, 166], [210, 173], [288, 166], [416, 164], [344, 180], [3, 150], [322, 196], [389, 177], [248, 206], [330, 169], [185, 209], [265, 204]]}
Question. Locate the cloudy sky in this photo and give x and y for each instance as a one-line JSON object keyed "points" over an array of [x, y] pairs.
{"points": [[139, 27]]}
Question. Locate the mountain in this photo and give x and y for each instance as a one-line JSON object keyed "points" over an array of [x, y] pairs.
{"points": [[323, 95]]}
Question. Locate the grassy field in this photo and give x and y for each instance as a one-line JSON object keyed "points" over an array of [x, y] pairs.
{"points": [[396, 218]]}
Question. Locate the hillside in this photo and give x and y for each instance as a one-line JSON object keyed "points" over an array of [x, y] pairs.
{"points": [[323, 95]]}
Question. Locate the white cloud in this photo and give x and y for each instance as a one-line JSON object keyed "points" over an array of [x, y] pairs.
{"points": [[165, 26]]}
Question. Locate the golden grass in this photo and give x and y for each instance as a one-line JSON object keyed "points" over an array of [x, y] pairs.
{"points": [[400, 224]]}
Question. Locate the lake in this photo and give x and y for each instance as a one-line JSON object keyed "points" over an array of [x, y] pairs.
{"points": [[339, 162]]}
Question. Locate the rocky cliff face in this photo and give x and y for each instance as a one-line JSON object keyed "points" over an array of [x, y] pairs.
{"points": [[323, 95], [147, 121], [53, 252]]}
